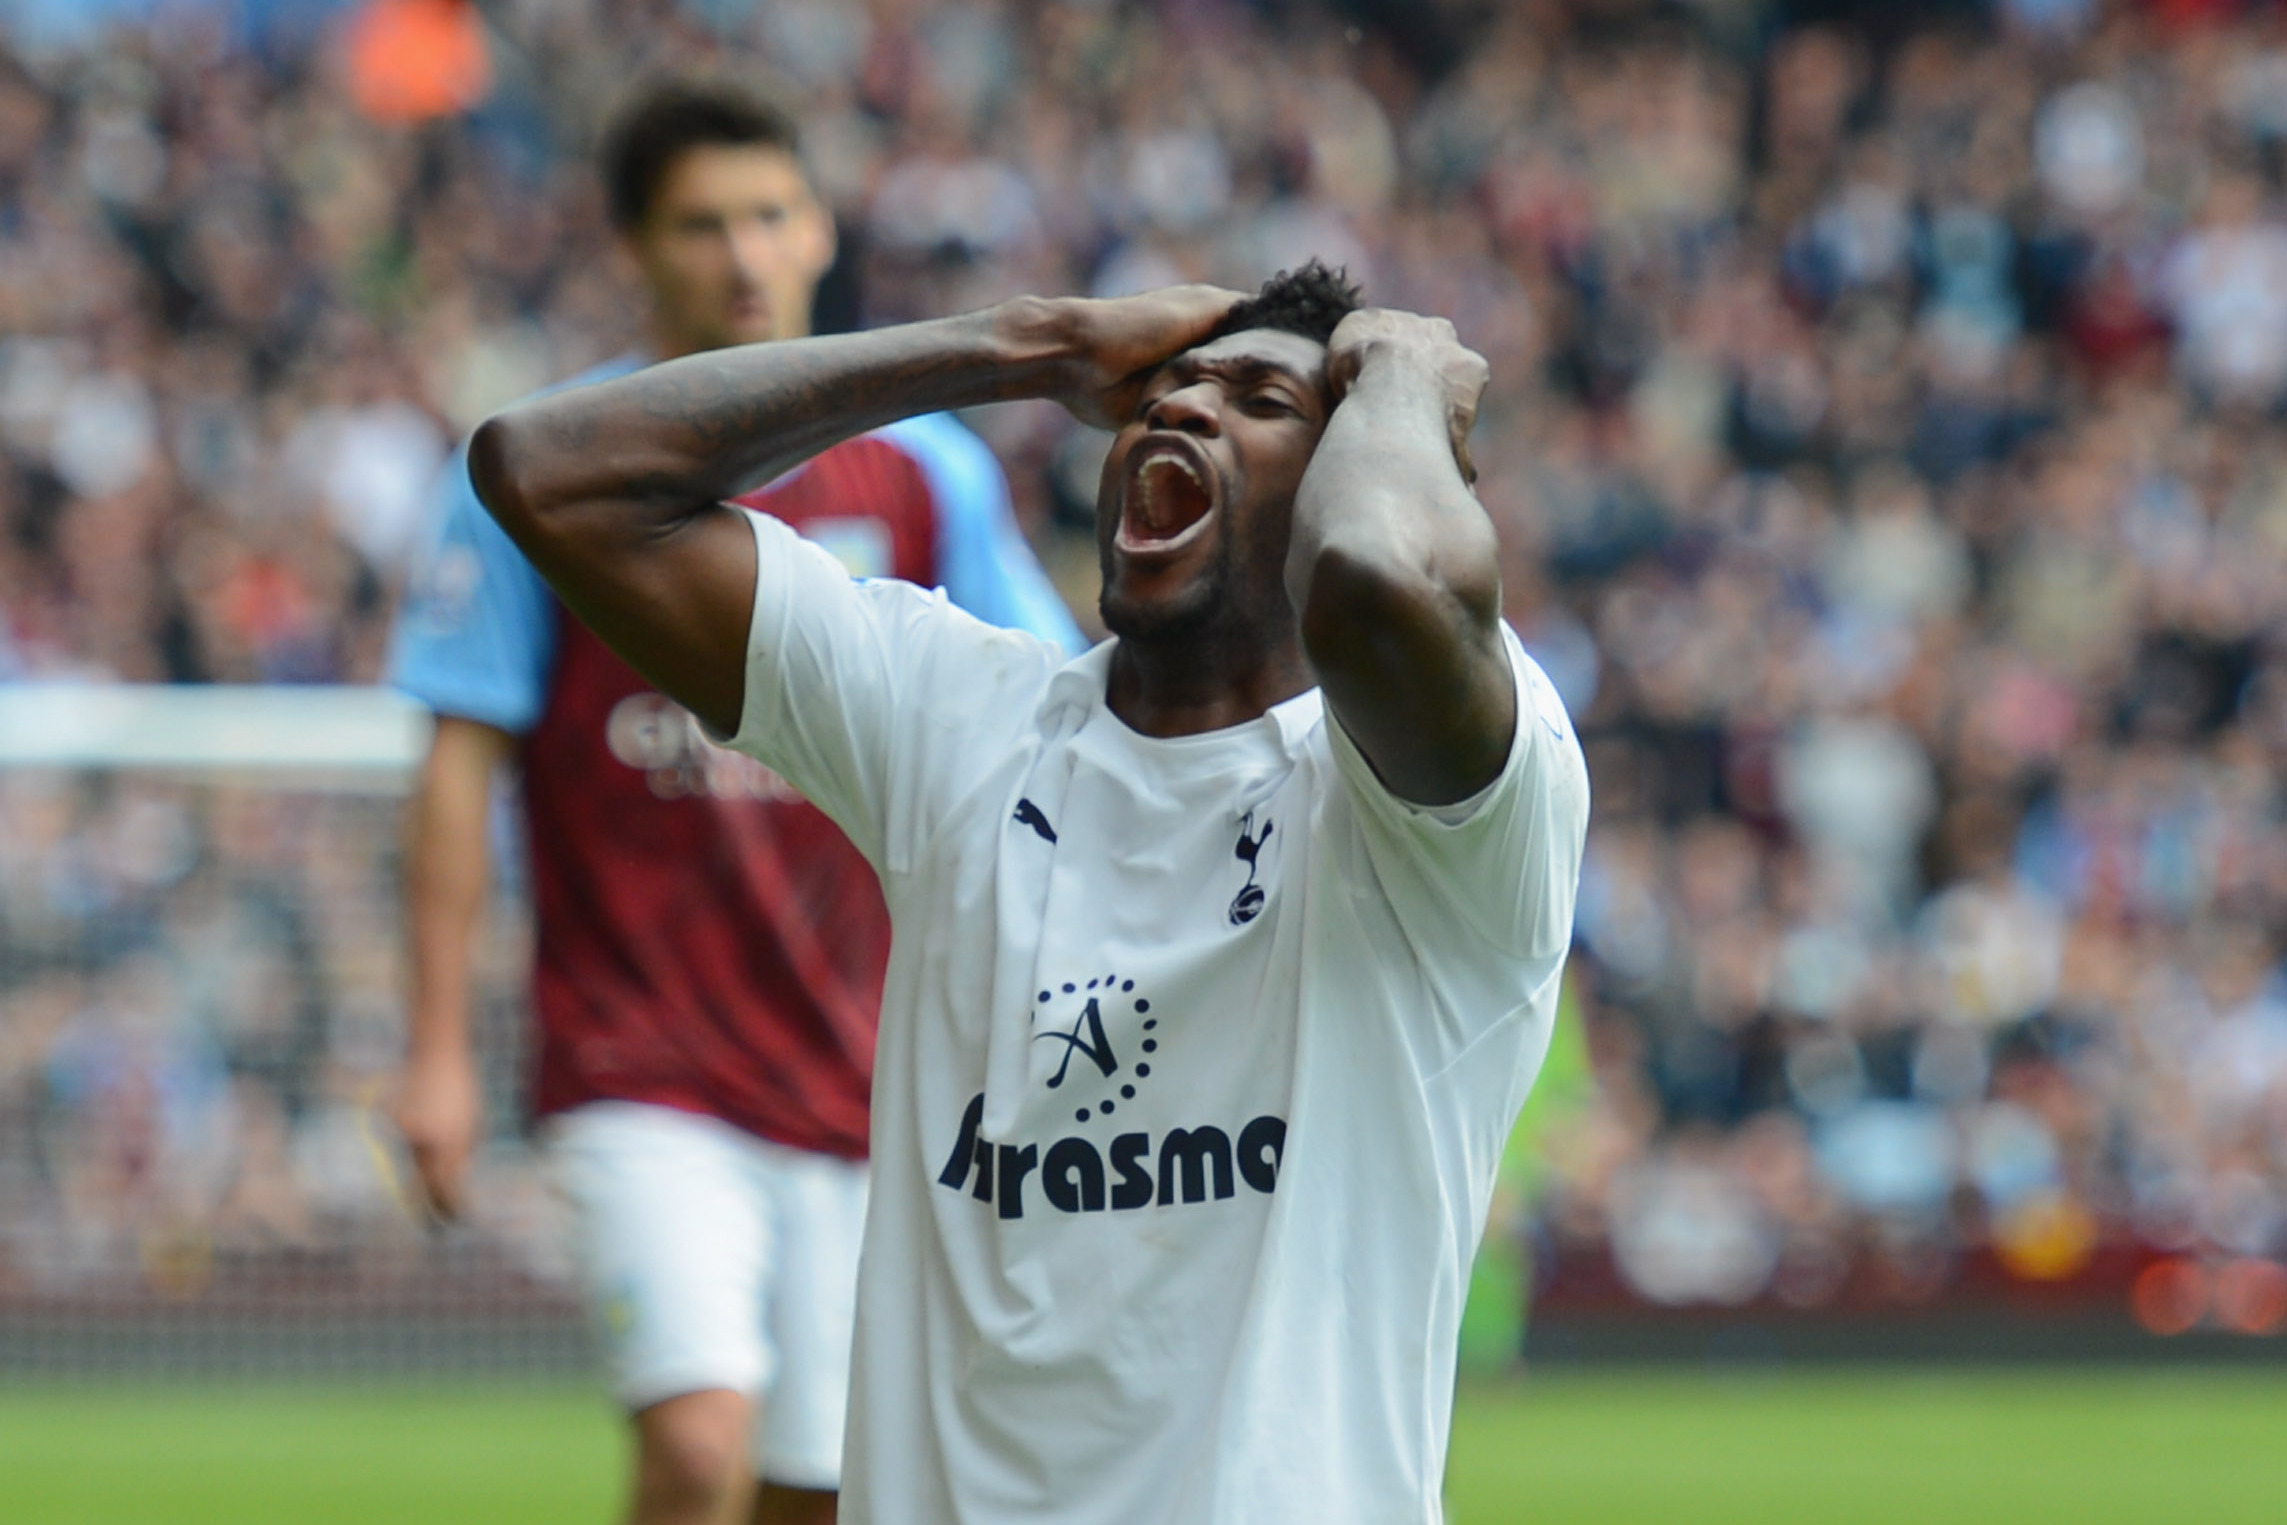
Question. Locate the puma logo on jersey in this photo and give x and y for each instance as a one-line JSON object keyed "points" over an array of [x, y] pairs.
{"points": [[1028, 814]]}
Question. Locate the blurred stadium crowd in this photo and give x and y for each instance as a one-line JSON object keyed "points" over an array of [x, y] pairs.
{"points": [[1885, 440]]}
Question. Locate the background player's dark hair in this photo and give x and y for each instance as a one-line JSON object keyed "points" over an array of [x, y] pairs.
{"points": [[666, 118], [1311, 301]]}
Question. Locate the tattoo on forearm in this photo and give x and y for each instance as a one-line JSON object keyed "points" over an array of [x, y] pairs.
{"points": [[681, 437], [786, 403]]}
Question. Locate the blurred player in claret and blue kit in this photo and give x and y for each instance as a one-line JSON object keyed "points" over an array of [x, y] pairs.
{"points": [[1226, 954], [710, 948]]}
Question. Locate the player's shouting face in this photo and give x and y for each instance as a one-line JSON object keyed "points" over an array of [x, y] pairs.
{"points": [[1197, 497]]}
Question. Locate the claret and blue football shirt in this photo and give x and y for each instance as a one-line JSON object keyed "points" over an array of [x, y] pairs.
{"points": [[705, 938]]}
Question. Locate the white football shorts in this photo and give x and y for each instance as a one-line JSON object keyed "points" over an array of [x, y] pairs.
{"points": [[715, 1259]]}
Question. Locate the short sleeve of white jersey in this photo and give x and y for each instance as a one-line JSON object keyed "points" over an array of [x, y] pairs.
{"points": [[874, 698], [1506, 875]]}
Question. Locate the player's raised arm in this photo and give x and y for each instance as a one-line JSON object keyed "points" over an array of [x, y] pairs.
{"points": [[1392, 565], [616, 491]]}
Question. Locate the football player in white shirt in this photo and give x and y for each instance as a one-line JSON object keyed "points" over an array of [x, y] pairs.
{"points": [[1224, 955]]}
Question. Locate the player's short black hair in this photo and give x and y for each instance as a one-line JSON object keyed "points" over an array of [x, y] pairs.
{"points": [[1311, 301], [664, 119]]}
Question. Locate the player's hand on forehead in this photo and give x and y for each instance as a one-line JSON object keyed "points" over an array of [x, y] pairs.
{"points": [[1112, 346], [1429, 346]]}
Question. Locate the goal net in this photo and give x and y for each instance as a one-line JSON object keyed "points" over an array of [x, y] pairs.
{"points": [[200, 1013]]}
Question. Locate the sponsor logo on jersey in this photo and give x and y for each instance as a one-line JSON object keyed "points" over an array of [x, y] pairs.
{"points": [[1071, 1175], [659, 738], [1133, 1169], [1075, 1017]]}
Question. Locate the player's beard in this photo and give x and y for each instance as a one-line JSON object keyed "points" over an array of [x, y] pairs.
{"points": [[1192, 612], [1222, 614]]}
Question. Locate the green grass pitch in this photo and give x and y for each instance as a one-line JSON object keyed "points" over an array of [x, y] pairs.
{"points": [[1867, 1449]]}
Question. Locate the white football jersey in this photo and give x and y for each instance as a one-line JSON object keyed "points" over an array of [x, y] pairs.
{"points": [[1197, 1060]]}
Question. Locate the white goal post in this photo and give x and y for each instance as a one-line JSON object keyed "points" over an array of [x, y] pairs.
{"points": [[362, 740]]}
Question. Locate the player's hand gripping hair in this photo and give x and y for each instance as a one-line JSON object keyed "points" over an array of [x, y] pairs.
{"points": [[615, 491], [1392, 566]]}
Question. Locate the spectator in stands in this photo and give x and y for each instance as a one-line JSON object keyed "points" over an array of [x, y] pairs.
{"points": [[1905, 392]]}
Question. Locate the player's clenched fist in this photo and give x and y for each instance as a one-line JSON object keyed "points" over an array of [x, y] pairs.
{"points": [[1106, 348], [1427, 347]]}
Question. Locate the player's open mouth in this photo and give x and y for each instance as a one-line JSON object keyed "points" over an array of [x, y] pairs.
{"points": [[1169, 500]]}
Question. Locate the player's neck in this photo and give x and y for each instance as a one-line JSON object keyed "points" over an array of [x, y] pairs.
{"points": [[1168, 688]]}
